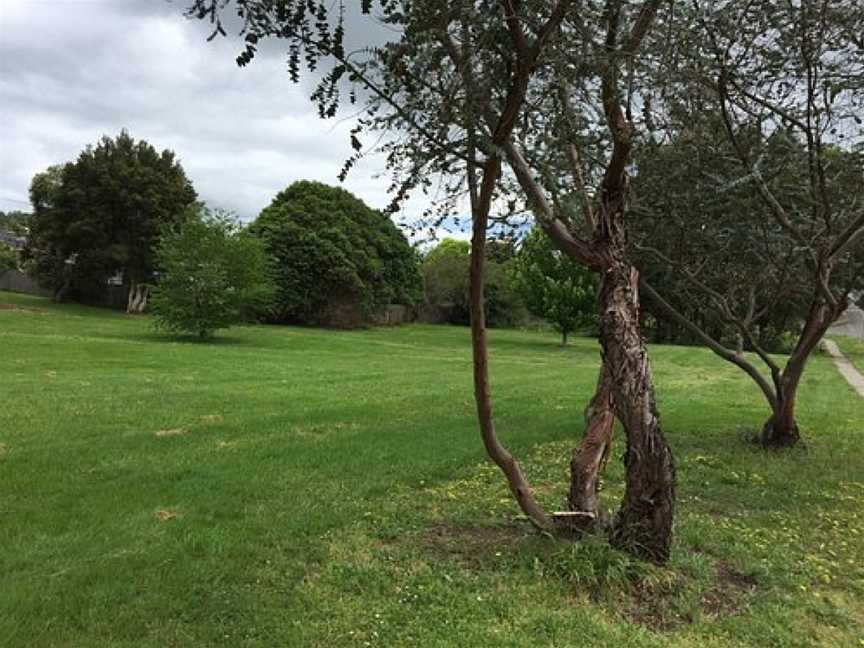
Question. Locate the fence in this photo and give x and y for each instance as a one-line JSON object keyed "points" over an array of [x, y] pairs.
{"points": [[18, 282]]}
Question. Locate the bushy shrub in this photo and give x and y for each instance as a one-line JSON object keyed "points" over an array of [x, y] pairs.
{"points": [[332, 253], [553, 286], [212, 275]]}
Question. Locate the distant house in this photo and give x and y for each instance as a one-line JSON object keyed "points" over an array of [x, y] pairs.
{"points": [[12, 240]]}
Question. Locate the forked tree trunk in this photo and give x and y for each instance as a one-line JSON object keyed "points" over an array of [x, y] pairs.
{"points": [[781, 429], [138, 296], [590, 457], [643, 525]]}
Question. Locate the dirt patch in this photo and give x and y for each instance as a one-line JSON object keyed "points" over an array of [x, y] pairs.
{"points": [[226, 445], [728, 574], [470, 546], [726, 597], [664, 608], [211, 418], [655, 607], [166, 515], [170, 433], [4, 449]]}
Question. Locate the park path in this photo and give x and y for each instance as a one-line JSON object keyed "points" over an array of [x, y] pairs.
{"points": [[850, 373]]}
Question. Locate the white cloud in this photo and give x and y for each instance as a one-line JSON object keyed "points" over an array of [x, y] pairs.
{"points": [[72, 71]]}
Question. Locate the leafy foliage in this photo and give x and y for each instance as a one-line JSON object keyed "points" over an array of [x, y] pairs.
{"points": [[212, 275], [333, 253], [445, 276], [553, 287], [8, 258], [103, 213], [15, 222]]}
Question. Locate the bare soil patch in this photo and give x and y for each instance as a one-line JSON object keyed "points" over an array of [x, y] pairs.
{"points": [[170, 433], [656, 607], [166, 515], [470, 546]]}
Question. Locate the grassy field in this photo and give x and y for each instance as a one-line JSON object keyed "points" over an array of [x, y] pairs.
{"points": [[300, 487], [852, 349]]}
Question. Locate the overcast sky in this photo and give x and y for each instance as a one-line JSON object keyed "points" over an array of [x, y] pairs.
{"points": [[73, 70]]}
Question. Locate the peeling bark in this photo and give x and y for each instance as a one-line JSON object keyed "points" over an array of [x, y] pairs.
{"points": [[590, 457], [643, 525]]}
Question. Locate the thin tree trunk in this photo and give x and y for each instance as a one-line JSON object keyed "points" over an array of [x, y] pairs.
{"points": [[131, 297], [643, 525], [739, 345], [591, 455], [482, 391]]}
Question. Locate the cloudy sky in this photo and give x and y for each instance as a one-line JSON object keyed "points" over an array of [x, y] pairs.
{"points": [[73, 70]]}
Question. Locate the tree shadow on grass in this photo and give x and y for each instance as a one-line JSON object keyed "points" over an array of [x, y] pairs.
{"points": [[192, 340]]}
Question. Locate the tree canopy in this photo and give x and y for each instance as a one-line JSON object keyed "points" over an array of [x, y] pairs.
{"points": [[212, 275], [337, 261], [759, 225], [553, 287], [102, 214], [445, 271]]}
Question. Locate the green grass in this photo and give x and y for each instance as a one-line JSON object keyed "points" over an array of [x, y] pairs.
{"points": [[852, 349], [299, 487]]}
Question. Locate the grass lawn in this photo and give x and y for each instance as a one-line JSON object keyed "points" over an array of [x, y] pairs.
{"points": [[852, 349], [299, 487]]}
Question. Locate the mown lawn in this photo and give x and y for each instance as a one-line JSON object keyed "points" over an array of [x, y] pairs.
{"points": [[300, 487], [852, 349]]}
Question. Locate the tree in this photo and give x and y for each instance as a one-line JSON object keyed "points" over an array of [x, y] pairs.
{"points": [[337, 260], [212, 275], [461, 89], [446, 280], [769, 100], [553, 287], [13, 231], [102, 214], [8, 258], [48, 250]]}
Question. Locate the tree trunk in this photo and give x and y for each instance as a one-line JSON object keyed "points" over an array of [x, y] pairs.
{"points": [[563, 338], [61, 291], [137, 300], [591, 455], [739, 345], [519, 487], [781, 429], [643, 525]]}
